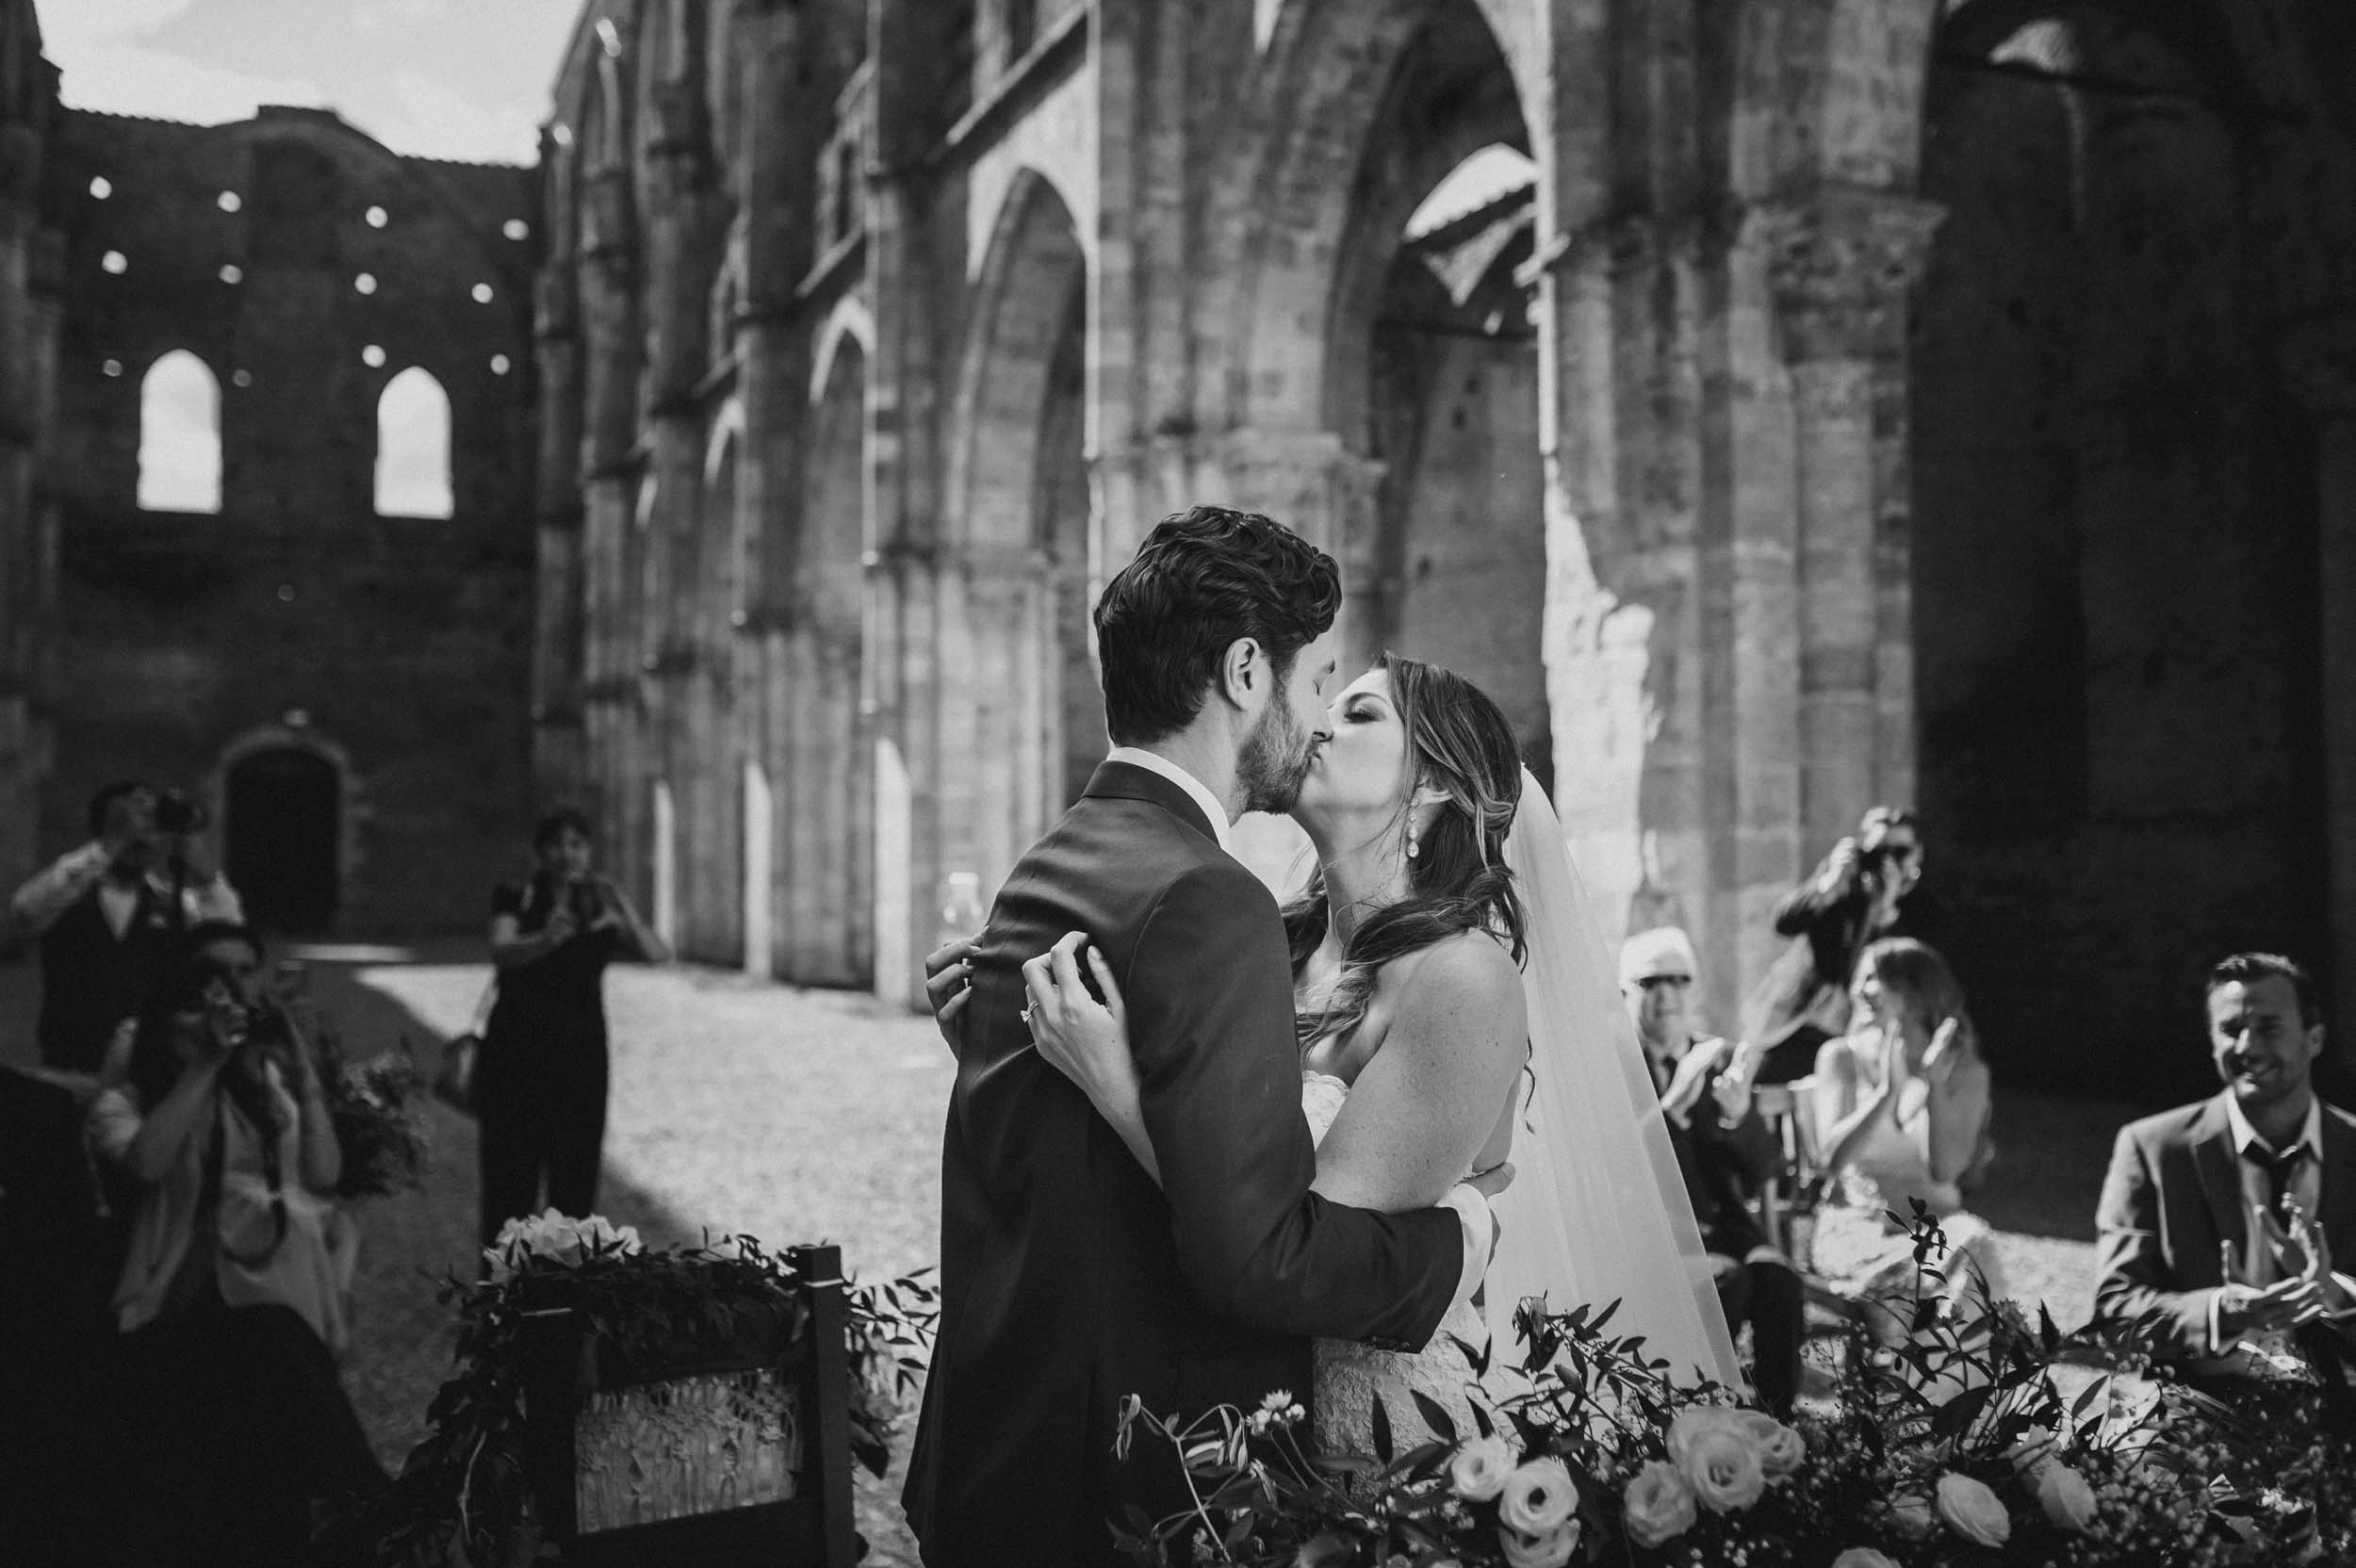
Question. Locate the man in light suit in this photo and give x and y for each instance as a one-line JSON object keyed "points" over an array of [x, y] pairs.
{"points": [[2220, 1220], [1070, 1279]]}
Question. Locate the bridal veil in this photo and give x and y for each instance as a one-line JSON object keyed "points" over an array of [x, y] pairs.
{"points": [[1597, 1210]]}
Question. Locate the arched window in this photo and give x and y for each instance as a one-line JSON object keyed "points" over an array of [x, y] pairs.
{"points": [[179, 435], [413, 446]]}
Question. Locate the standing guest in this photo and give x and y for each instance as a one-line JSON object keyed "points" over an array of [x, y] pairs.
{"points": [[2221, 1219], [1850, 899], [230, 1296], [540, 1088], [106, 914], [1725, 1152], [1902, 1106]]}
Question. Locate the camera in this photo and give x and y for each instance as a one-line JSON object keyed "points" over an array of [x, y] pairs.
{"points": [[179, 811]]}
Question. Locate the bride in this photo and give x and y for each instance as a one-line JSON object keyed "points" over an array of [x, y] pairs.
{"points": [[1452, 991]]}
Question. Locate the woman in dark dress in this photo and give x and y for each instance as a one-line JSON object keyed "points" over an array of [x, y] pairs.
{"points": [[540, 1089]]}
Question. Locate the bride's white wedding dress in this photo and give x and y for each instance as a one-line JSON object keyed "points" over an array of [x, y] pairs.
{"points": [[1351, 1377]]}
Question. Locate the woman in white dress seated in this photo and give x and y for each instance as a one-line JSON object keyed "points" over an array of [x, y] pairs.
{"points": [[1417, 1025], [1902, 1107]]}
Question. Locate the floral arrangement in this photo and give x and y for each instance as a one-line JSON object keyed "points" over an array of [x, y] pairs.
{"points": [[1980, 1440], [461, 1496], [380, 1125]]}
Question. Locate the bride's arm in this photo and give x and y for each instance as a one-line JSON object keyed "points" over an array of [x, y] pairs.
{"points": [[1089, 1043], [1428, 1101]]}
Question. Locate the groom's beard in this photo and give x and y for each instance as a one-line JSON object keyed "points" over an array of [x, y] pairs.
{"points": [[1274, 758]]}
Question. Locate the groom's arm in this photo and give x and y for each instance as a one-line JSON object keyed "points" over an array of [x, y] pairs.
{"points": [[1209, 994]]}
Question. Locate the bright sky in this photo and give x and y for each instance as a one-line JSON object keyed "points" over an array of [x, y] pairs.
{"points": [[465, 79]]}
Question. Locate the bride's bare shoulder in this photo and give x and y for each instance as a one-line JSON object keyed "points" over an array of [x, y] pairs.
{"points": [[1467, 975]]}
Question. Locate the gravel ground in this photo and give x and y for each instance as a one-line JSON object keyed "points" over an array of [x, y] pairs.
{"points": [[797, 1115]]}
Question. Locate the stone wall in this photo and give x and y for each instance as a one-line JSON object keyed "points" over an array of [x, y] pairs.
{"points": [[306, 267]]}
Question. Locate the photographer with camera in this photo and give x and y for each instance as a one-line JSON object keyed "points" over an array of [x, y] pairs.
{"points": [[230, 1300], [540, 1087], [107, 913], [1851, 898]]}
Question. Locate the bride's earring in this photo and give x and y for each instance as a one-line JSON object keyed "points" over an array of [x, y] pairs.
{"points": [[1411, 839]]}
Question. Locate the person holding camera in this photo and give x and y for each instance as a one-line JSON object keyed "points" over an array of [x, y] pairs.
{"points": [[231, 1295], [540, 1087], [1849, 900], [105, 915]]}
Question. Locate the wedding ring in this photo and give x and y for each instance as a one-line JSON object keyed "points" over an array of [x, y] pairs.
{"points": [[1024, 1014]]}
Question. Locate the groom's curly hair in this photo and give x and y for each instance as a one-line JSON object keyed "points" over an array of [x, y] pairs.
{"points": [[1457, 880], [1203, 581]]}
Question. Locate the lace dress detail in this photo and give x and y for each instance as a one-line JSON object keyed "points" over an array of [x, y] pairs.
{"points": [[1351, 1377]]}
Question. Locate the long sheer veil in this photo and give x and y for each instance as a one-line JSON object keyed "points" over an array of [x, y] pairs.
{"points": [[1597, 1211]]}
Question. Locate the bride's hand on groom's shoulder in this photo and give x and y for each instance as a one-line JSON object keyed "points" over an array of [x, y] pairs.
{"points": [[1084, 1040], [949, 985]]}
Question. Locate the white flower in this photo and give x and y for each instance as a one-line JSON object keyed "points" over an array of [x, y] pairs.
{"points": [[1538, 1496], [1478, 1470], [1781, 1449], [1540, 1549], [2031, 1454], [1718, 1452], [1910, 1516], [1659, 1504], [1972, 1511], [1695, 1421], [2066, 1497], [1863, 1557]]}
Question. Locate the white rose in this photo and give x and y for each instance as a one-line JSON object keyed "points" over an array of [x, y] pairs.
{"points": [[1781, 1450], [1543, 1549], [1910, 1516], [1723, 1468], [1478, 1470], [1538, 1496], [1972, 1511], [1696, 1421], [2066, 1497], [1659, 1504], [2031, 1454], [1863, 1557]]}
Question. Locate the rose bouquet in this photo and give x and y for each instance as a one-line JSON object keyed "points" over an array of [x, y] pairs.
{"points": [[1980, 1439]]}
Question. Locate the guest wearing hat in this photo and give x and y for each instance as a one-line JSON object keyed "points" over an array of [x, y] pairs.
{"points": [[1723, 1152]]}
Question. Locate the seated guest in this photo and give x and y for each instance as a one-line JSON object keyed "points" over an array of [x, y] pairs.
{"points": [[230, 1292], [1723, 1152], [2220, 1219], [1901, 1105], [1850, 899]]}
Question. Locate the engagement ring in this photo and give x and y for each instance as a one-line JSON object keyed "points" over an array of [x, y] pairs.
{"points": [[1024, 1014]]}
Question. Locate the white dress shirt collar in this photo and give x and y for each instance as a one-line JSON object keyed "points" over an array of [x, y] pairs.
{"points": [[1138, 757], [2310, 1131]]}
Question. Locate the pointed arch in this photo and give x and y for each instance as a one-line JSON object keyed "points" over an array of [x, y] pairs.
{"points": [[413, 436], [179, 435]]}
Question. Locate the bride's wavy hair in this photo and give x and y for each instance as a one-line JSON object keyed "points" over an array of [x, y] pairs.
{"points": [[1464, 747]]}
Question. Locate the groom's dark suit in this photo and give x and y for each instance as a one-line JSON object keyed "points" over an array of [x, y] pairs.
{"points": [[1069, 1279]]}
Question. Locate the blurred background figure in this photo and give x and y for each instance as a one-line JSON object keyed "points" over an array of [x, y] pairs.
{"points": [[1852, 897], [106, 913], [1901, 1104], [1725, 1152], [541, 1084]]}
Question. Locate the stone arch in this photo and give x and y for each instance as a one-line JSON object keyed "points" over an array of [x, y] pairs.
{"points": [[413, 446], [1019, 689], [180, 447], [292, 806]]}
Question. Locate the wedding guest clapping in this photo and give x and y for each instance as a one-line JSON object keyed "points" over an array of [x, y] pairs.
{"points": [[1901, 1104], [541, 1086], [1724, 1151], [2221, 1219]]}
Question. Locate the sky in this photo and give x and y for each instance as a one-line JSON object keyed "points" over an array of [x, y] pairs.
{"points": [[463, 79]]}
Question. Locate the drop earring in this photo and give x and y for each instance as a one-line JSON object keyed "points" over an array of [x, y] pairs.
{"points": [[1411, 839]]}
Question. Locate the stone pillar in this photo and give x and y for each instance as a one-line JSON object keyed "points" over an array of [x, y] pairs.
{"points": [[2319, 357], [560, 766], [1842, 262], [32, 287]]}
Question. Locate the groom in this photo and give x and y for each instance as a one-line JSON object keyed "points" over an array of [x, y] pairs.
{"points": [[1069, 1279]]}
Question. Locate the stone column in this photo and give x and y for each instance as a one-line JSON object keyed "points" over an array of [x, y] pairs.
{"points": [[23, 398], [1842, 262], [2319, 357], [560, 765]]}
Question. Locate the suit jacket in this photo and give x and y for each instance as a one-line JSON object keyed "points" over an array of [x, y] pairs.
{"points": [[2173, 1197], [1724, 1168], [1069, 1281]]}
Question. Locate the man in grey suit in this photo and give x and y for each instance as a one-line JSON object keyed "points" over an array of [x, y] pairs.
{"points": [[2220, 1220]]}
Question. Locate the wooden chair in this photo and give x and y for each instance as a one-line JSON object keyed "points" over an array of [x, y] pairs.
{"points": [[813, 1527], [1784, 1108]]}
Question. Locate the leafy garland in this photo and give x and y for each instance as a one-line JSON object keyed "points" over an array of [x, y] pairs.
{"points": [[1981, 1440], [460, 1498]]}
